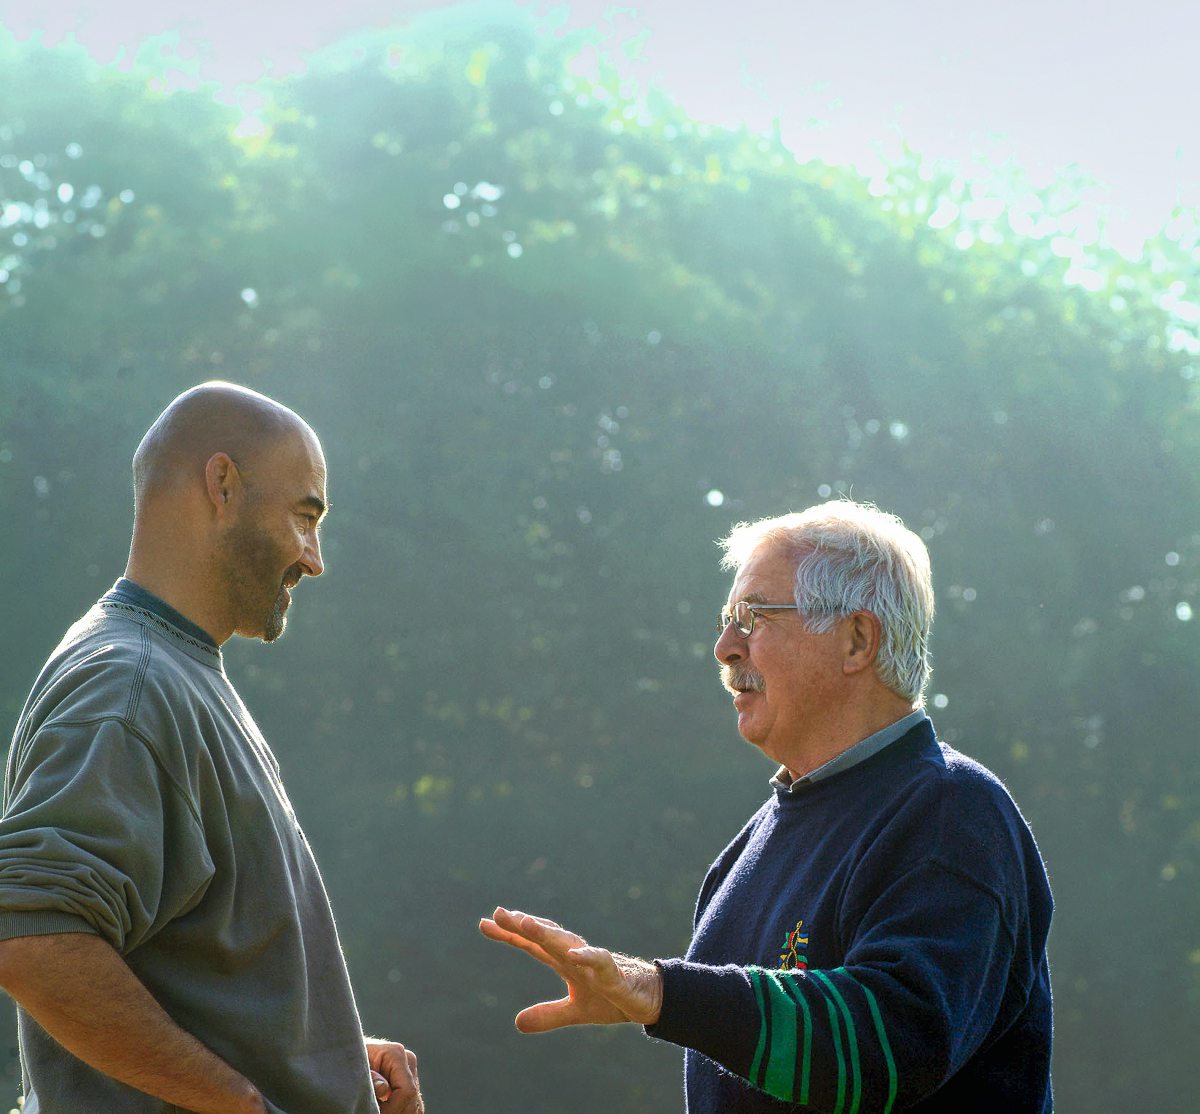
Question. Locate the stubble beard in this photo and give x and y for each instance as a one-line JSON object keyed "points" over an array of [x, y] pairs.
{"points": [[251, 561]]}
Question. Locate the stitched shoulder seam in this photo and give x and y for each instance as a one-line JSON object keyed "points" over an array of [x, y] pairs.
{"points": [[142, 738]]}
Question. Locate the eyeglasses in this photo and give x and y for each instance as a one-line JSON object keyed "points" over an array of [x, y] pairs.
{"points": [[743, 614]]}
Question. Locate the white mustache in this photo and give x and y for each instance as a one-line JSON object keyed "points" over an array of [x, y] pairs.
{"points": [[738, 678]]}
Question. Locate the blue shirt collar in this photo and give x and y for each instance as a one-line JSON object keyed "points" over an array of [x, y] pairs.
{"points": [[126, 591]]}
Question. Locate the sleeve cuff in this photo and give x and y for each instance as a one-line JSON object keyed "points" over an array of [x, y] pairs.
{"points": [[42, 923], [704, 1008]]}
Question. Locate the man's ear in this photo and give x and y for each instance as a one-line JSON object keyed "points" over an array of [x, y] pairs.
{"points": [[864, 635], [222, 482]]}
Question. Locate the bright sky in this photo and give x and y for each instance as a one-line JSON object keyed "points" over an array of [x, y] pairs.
{"points": [[1110, 87]]}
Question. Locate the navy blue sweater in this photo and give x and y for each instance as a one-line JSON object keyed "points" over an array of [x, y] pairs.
{"points": [[872, 942]]}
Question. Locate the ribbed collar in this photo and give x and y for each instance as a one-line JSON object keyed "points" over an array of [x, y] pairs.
{"points": [[126, 591]]}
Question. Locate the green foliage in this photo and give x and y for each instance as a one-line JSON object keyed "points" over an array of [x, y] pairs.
{"points": [[538, 316]]}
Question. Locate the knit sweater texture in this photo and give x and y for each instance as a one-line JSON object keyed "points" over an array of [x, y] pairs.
{"points": [[872, 942], [142, 804]]}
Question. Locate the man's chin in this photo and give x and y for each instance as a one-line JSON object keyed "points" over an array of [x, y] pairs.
{"points": [[745, 727], [276, 622], [752, 727], [269, 632], [275, 625], [270, 628]]}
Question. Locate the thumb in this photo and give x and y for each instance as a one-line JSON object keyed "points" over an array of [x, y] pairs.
{"points": [[544, 1016]]}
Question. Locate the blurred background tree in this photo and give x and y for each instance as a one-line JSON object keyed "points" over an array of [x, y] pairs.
{"points": [[557, 336]]}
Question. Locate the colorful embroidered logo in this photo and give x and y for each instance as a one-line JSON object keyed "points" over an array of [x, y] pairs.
{"points": [[795, 947]]}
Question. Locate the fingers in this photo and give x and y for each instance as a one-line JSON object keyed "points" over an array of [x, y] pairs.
{"points": [[515, 920], [598, 959], [492, 931], [411, 1104], [394, 1077], [596, 984], [406, 1101], [538, 930], [402, 1101], [564, 951], [544, 940]]}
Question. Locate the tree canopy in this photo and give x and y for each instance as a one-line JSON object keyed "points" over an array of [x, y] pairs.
{"points": [[556, 337]]}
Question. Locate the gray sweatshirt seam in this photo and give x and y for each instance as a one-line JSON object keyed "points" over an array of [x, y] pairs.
{"points": [[146, 742], [139, 675]]}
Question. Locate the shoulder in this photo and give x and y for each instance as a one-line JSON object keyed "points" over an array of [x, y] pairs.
{"points": [[918, 786], [969, 794], [107, 665], [110, 667], [90, 674], [930, 802], [981, 834]]}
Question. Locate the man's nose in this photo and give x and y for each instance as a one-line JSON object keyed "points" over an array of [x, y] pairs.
{"points": [[311, 561], [731, 645]]}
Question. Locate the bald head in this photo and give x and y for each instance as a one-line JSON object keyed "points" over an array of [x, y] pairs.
{"points": [[229, 492], [212, 418]]}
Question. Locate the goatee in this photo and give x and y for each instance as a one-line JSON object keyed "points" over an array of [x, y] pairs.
{"points": [[277, 620]]}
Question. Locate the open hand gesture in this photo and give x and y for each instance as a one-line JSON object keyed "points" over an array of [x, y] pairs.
{"points": [[603, 988]]}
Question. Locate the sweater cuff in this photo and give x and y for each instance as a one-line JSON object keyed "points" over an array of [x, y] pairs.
{"points": [[703, 1007], [41, 923]]}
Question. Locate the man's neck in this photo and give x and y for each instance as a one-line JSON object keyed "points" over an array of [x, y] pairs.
{"points": [[853, 755], [835, 739], [184, 593]]}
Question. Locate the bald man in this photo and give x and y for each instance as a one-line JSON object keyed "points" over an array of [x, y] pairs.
{"points": [[163, 926]]}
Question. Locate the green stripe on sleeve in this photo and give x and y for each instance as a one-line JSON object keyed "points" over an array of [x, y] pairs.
{"points": [[851, 1040], [805, 1065], [836, 1029], [781, 1064], [779, 1076], [755, 981], [884, 1044]]}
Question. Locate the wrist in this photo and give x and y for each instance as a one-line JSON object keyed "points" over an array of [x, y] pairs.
{"points": [[651, 992]]}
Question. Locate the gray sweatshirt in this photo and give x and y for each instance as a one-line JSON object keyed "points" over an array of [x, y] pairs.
{"points": [[142, 804]]}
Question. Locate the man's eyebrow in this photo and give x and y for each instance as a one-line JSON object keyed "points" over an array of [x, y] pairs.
{"points": [[315, 503], [753, 597]]}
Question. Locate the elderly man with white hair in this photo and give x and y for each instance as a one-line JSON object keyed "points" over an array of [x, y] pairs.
{"points": [[874, 939]]}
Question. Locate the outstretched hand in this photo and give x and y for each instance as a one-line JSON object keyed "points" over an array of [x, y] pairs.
{"points": [[603, 988]]}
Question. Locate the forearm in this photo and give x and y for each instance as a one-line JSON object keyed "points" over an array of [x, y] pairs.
{"points": [[77, 988], [812, 1037]]}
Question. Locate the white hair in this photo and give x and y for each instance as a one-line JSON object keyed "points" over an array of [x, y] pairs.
{"points": [[854, 557]]}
